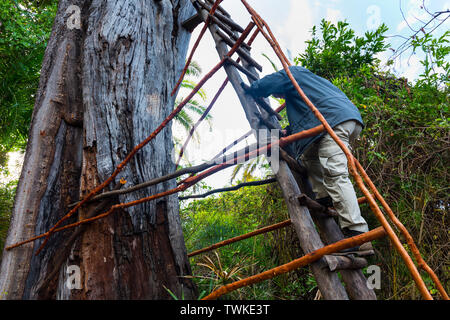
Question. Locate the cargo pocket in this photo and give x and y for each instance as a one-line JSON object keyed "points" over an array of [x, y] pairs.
{"points": [[333, 161]]}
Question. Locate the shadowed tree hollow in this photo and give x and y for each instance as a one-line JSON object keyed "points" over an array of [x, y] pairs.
{"points": [[106, 79]]}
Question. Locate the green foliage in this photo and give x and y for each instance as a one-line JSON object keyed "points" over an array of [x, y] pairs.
{"points": [[339, 51], [231, 214], [24, 31], [404, 147], [222, 274], [7, 192]]}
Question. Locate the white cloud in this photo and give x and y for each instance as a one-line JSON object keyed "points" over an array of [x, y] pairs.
{"points": [[414, 14], [334, 15], [296, 29]]}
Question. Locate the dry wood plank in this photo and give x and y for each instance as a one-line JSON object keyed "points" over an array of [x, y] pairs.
{"points": [[241, 68], [228, 31], [345, 262], [242, 54], [233, 25], [191, 23], [355, 281]]}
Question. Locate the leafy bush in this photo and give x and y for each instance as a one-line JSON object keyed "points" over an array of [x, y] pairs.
{"points": [[6, 203], [339, 52], [404, 146]]}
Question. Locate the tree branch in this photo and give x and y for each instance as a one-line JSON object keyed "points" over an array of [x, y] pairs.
{"points": [[233, 188]]}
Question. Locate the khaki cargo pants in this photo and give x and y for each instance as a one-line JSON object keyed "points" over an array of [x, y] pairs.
{"points": [[328, 173]]}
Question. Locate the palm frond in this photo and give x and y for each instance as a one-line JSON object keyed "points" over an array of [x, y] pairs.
{"points": [[248, 169], [199, 109], [236, 170], [274, 66], [189, 84], [184, 119], [193, 107], [178, 144], [194, 69]]}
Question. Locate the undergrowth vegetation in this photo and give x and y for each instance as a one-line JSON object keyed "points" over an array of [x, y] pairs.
{"points": [[404, 148], [232, 214]]}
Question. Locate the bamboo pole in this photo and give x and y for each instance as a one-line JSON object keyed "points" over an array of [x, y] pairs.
{"points": [[185, 184], [300, 262], [242, 237]]}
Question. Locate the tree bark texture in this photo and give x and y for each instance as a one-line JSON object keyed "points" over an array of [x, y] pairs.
{"points": [[104, 88]]}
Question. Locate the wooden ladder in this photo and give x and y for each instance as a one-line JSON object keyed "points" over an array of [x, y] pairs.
{"points": [[291, 177]]}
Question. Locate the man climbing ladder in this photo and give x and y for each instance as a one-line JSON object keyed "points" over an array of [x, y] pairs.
{"points": [[324, 160]]}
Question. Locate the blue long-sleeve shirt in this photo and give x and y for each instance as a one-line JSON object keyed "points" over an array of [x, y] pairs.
{"points": [[331, 102]]}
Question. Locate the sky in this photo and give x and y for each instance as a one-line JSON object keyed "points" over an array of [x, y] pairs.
{"points": [[291, 22]]}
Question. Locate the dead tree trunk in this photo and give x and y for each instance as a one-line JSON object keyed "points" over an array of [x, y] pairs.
{"points": [[105, 85]]}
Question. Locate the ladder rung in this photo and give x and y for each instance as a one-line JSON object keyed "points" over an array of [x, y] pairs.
{"points": [[265, 106], [315, 207], [231, 42], [244, 55], [242, 69], [191, 23], [344, 262], [269, 110], [233, 25], [266, 122]]}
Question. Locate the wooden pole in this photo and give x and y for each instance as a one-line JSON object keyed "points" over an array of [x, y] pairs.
{"points": [[242, 237], [300, 262]]}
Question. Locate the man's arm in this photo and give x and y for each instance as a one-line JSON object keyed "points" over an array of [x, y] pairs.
{"points": [[275, 83]]}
